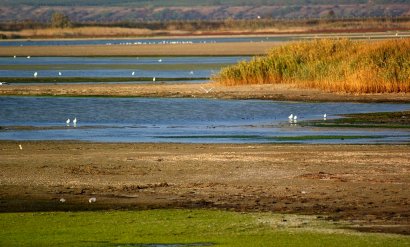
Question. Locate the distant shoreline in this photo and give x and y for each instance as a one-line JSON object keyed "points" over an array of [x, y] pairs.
{"points": [[208, 49], [277, 92]]}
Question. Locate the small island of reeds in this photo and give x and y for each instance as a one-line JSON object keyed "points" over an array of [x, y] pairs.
{"points": [[332, 65]]}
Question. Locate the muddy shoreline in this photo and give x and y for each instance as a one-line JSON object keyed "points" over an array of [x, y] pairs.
{"points": [[363, 184], [279, 92]]}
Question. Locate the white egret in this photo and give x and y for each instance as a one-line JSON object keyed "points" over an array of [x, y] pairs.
{"points": [[59, 73], [62, 200], [35, 74], [153, 79], [290, 117], [192, 72], [159, 60], [295, 118], [92, 199], [14, 56], [21, 147], [28, 57], [75, 122], [324, 116], [67, 122], [133, 73]]}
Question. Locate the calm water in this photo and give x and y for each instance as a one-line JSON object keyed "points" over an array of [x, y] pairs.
{"points": [[181, 120], [160, 67], [147, 41]]}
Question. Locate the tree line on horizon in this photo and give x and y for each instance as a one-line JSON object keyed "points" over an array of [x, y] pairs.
{"points": [[190, 3]]}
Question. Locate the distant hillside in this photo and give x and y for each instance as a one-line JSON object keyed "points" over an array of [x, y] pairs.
{"points": [[189, 3], [109, 11]]}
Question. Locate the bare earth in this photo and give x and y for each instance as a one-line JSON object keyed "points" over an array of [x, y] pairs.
{"points": [[365, 184], [267, 91], [207, 49]]}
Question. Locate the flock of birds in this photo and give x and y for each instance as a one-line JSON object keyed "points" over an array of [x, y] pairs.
{"points": [[294, 118], [35, 74]]}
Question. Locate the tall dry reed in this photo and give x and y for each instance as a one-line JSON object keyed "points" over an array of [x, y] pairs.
{"points": [[333, 65]]}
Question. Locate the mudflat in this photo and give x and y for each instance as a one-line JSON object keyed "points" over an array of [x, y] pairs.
{"points": [[202, 49], [365, 184], [206, 90]]}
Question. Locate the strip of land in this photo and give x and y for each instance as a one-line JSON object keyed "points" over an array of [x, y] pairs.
{"points": [[207, 90], [202, 49], [364, 184]]}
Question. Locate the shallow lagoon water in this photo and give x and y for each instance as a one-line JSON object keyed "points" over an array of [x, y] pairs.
{"points": [[190, 68], [184, 120]]}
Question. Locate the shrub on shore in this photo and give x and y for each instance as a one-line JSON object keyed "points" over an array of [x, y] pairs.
{"points": [[333, 65]]}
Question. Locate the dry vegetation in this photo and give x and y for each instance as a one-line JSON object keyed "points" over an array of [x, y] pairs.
{"points": [[333, 65], [31, 29]]}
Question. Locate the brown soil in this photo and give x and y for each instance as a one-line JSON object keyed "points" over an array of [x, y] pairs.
{"points": [[365, 184], [208, 49], [267, 91]]}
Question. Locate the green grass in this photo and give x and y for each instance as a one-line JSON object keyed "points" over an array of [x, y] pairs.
{"points": [[93, 79], [276, 138], [155, 67], [390, 120], [221, 228]]}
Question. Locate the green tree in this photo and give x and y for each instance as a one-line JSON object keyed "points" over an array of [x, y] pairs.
{"points": [[59, 20]]}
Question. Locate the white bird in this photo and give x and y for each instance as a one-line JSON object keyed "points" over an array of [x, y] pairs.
{"points": [[28, 57], [153, 79], [35, 74], [62, 200], [75, 122], [159, 60], [67, 122], [92, 199], [291, 117], [133, 73], [21, 147], [14, 56], [295, 118], [206, 90], [192, 72], [324, 116], [59, 73]]}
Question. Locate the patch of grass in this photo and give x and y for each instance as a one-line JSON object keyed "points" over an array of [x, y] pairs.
{"points": [[221, 228], [333, 65], [275, 138], [93, 79], [390, 120], [154, 67]]}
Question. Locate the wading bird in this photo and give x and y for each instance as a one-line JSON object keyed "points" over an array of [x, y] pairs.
{"points": [[67, 122], [92, 199], [75, 122], [35, 74], [153, 79]]}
